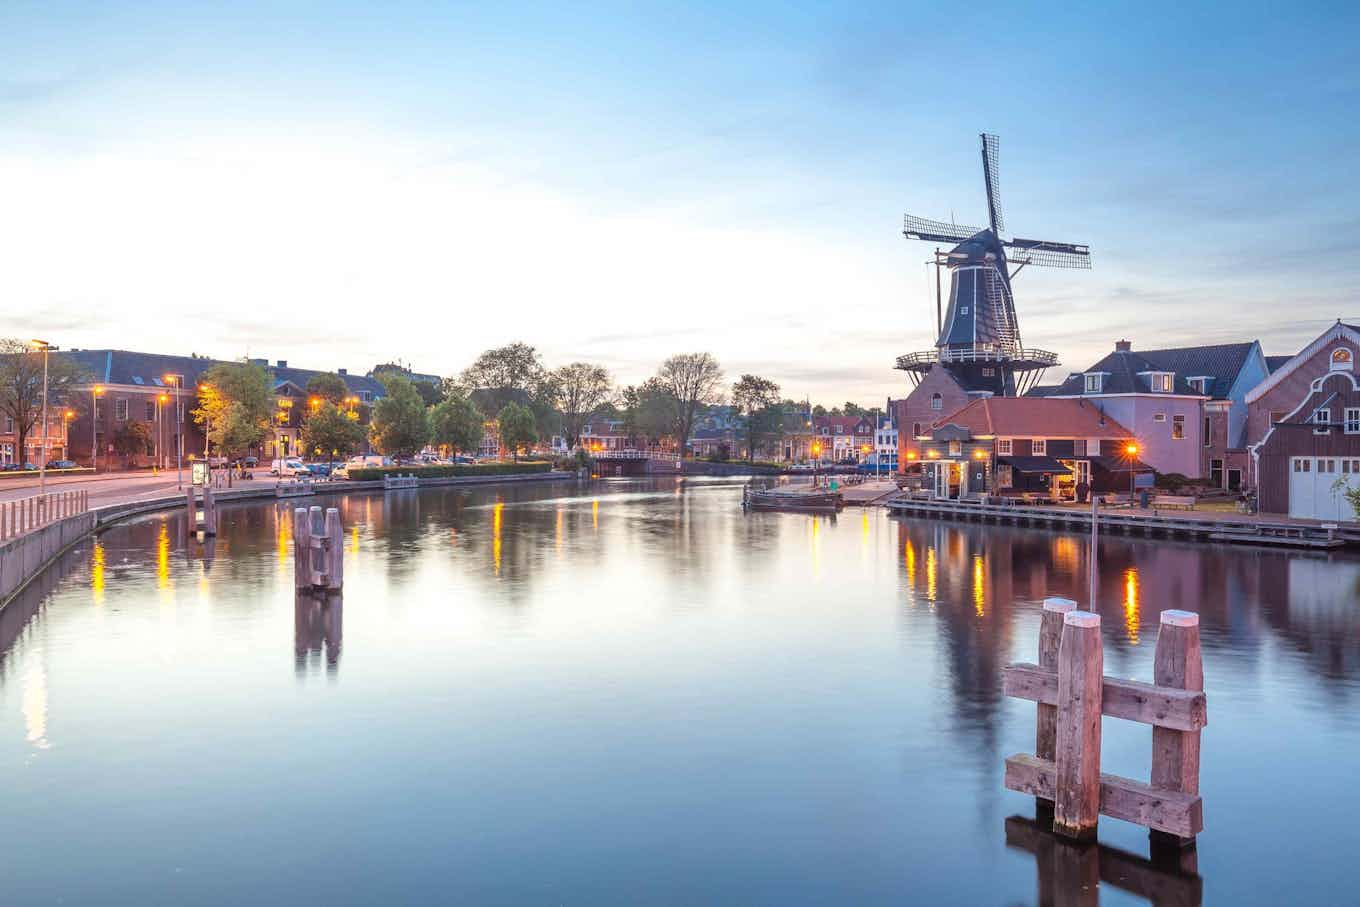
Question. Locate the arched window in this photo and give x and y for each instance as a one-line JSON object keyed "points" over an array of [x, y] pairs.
{"points": [[936, 401]]}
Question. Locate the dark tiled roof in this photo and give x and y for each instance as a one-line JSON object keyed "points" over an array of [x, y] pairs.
{"points": [[149, 370], [1222, 361], [1044, 390], [1273, 363]]}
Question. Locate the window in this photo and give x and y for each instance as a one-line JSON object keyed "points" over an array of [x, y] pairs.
{"points": [[936, 402], [989, 372], [1004, 478], [1352, 423], [955, 448], [1199, 385], [1178, 428], [1093, 383], [1326, 465], [120, 409], [1039, 447], [1003, 447], [1159, 417], [1092, 447], [916, 429], [150, 410], [1160, 382], [365, 396], [963, 310], [1303, 464], [840, 429], [1208, 432], [1322, 418], [9, 425]]}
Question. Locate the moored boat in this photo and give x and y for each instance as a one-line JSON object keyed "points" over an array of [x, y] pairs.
{"points": [[816, 499]]}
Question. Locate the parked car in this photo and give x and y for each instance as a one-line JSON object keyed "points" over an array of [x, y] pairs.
{"points": [[320, 470], [10, 467], [368, 460], [340, 471], [249, 462], [463, 460], [63, 464], [217, 462], [287, 467]]}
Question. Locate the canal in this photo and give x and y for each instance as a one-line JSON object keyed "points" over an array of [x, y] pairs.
{"points": [[632, 692]]}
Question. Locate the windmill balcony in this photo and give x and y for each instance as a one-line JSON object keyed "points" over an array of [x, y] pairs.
{"points": [[982, 352]]}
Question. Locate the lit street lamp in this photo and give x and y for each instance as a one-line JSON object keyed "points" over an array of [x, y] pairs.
{"points": [[1132, 451], [179, 431], [160, 432], [42, 466]]}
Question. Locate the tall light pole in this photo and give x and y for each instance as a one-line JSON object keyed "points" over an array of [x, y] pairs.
{"points": [[179, 431], [42, 467], [95, 393], [161, 399]]}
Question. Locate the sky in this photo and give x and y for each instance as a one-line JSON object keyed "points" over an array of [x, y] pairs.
{"points": [[342, 184]]}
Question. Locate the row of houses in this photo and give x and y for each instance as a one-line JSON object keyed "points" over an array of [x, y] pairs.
{"points": [[1226, 416]]}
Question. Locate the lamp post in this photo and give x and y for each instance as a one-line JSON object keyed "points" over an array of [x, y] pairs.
{"points": [[95, 393], [816, 461], [160, 432], [1132, 451], [42, 467], [179, 431]]}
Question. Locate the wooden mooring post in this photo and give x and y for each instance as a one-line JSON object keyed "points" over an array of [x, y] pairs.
{"points": [[204, 520], [318, 549], [1174, 705]]}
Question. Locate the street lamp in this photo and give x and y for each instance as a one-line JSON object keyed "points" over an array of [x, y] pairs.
{"points": [[179, 430], [96, 392], [42, 467], [816, 461], [161, 399], [1132, 451]]}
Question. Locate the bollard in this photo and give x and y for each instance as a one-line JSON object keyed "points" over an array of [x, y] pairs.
{"points": [[1177, 662], [335, 550], [1081, 667], [302, 549], [1046, 724]]}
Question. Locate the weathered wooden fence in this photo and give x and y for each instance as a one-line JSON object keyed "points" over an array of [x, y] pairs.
{"points": [[27, 514], [1069, 685], [318, 549]]}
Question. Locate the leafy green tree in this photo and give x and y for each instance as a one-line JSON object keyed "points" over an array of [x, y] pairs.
{"points": [[399, 426], [131, 440], [693, 380], [513, 373], [517, 428], [235, 402], [331, 431], [457, 423], [582, 388], [755, 398], [854, 409], [329, 387], [655, 412], [21, 386]]}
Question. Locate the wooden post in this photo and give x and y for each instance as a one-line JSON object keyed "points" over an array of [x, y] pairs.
{"points": [[1046, 725], [191, 511], [335, 549], [302, 549], [316, 558], [1081, 668], [1176, 663], [209, 511]]}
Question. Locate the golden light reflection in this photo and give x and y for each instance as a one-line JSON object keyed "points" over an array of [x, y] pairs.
{"points": [[1131, 615], [595, 514], [979, 586], [354, 539], [284, 535], [909, 558], [97, 573], [557, 531], [496, 536], [163, 557], [930, 573], [34, 706], [1065, 554]]}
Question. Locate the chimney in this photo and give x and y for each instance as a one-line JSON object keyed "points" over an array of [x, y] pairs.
{"points": [[342, 371], [1123, 346], [283, 363]]}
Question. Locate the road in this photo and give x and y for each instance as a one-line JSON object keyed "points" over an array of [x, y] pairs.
{"points": [[115, 488]]}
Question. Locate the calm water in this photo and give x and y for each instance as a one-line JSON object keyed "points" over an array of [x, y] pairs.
{"points": [[633, 693]]}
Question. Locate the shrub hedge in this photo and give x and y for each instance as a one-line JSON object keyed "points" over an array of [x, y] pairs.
{"points": [[367, 473]]}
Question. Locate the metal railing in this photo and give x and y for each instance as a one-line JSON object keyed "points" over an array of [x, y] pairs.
{"points": [[27, 514], [982, 352]]}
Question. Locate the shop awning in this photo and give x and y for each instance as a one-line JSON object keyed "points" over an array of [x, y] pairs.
{"points": [[1035, 465], [1119, 464]]}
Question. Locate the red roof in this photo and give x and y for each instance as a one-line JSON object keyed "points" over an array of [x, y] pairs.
{"points": [[848, 423], [1035, 417]]}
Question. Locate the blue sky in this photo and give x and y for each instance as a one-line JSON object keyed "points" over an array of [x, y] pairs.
{"points": [[341, 184]]}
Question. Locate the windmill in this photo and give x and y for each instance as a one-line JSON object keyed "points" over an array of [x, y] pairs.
{"points": [[979, 337]]}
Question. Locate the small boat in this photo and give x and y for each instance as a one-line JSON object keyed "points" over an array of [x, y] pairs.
{"points": [[812, 500]]}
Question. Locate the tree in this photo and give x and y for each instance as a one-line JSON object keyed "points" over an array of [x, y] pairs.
{"points": [[510, 372], [517, 427], [328, 387], [457, 423], [755, 398], [853, 409], [21, 386], [331, 431], [132, 439], [582, 390], [399, 426], [656, 411], [235, 402], [693, 380]]}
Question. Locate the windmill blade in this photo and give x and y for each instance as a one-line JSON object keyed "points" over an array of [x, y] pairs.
{"points": [[992, 175], [935, 230], [1048, 254]]}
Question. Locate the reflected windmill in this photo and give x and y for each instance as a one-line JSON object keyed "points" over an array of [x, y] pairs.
{"points": [[979, 335]]}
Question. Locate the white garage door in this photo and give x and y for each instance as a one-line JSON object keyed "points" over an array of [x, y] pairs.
{"points": [[1316, 484]]}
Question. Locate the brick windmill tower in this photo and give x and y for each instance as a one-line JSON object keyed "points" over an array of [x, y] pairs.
{"points": [[979, 336]]}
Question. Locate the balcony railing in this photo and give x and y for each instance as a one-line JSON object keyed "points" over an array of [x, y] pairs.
{"points": [[982, 352]]}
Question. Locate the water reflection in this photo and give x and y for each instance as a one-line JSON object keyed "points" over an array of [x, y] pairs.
{"points": [[318, 628]]}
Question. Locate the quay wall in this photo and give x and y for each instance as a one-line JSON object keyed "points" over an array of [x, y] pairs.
{"points": [[25, 557]]}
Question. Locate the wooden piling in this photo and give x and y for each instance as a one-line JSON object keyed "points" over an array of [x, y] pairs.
{"points": [[1081, 667], [209, 511], [302, 549], [1046, 724], [1177, 663], [335, 549]]}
